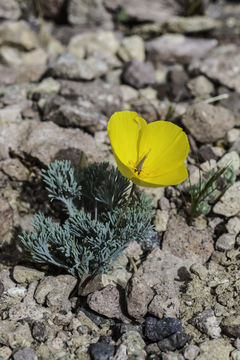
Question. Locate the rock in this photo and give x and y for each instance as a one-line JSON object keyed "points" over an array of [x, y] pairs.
{"points": [[233, 135], [101, 351], [14, 334], [74, 114], [207, 323], [105, 98], [221, 65], [138, 74], [128, 93], [44, 141], [21, 74], [158, 329], [55, 291], [217, 349], [171, 356], [93, 43], [5, 352], [190, 24], [134, 344], [236, 146], [199, 270], [22, 274], [233, 225], [107, 302], [6, 218], [18, 34], [69, 67], [9, 10], [46, 86], [24, 354], [89, 13], [200, 87], [235, 355], [225, 242], [132, 48], [229, 203], [51, 9], [166, 302], [191, 352], [187, 241], [231, 326], [174, 341], [14, 169], [161, 220], [36, 57], [231, 158], [121, 353], [138, 296], [178, 48], [38, 331], [208, 123], [152, 11]]}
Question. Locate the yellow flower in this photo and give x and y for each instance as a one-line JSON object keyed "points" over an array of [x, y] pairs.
{"points": [[150, 155]]}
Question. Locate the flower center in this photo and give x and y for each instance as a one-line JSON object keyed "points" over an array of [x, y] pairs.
{"points": [[139, 166]]}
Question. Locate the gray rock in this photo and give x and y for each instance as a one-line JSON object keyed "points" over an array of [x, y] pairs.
{"points": [[132, 48], [121, 353], [225, 242], [105, 97], [138, 296], [45, 141], [171, 356], [208, 123], [9, 10], [6, 218], [14, 169], [101, 351], [191, 352], [231, 158], [151, 11], [21, 74], [174, 341], [207, 323], [200, 87], [235, 355], [222, 65], [233, 225], [229, 203], [69, 67], [89, 12], [55, 291], [180, 236], [166, 302], [24, 354], [161, 220], [178, 48], [22, 274], [138, 74], [218, 349], [159, 329], [76, 113], [107, 302], [134, 344], [236, 146]]}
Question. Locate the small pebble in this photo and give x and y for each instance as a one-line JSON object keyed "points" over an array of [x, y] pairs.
{"points": [[24, 354], [225, 242], [174, 342]]}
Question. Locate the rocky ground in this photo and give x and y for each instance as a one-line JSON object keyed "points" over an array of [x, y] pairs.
{"points": [[65, 67]]}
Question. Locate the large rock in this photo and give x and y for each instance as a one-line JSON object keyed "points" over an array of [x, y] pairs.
{"points": [[89, 12], [208, 123], [222, 65], [44, 141], [178, 48]]}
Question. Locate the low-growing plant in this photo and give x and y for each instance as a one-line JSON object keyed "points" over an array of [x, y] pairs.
{"points": [[101, 219]]}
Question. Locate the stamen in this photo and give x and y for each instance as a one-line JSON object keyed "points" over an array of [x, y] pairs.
{"points": [[140, 164]]}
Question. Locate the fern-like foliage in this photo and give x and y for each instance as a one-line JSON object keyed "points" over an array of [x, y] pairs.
{"points": [[101, 219]]}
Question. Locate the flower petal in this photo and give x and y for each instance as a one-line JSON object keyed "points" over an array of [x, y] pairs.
{"points": [[167, 147], [124, 129], [174, 177]]}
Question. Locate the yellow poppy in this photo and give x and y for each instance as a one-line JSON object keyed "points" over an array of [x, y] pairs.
{"points": [[151, 155]]}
